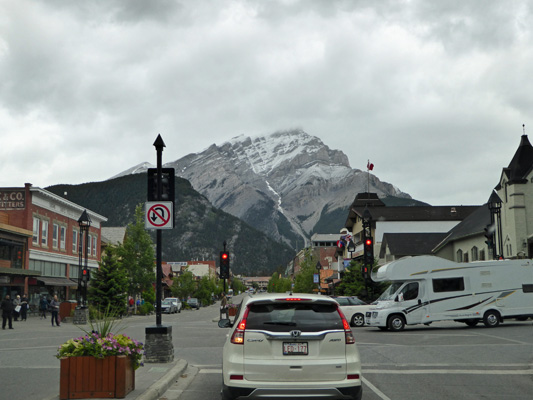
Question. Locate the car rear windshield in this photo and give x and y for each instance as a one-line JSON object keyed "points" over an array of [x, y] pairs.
{"points": [[285, 317]]}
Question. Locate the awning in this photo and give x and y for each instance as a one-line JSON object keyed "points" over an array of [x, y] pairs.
{"points": [[19, 271], [56, 281]]}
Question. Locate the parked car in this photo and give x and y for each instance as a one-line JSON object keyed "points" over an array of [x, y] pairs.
{"points": [[354, 309], [288, 346], [193, 303], [177, 303], [168, 306]]}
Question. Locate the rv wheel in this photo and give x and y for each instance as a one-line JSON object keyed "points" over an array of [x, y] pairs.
{"points": [[491, 319], [358, 320], [396, 323]]}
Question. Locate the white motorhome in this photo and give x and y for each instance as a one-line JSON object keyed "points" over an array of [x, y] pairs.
{"points": [[425, 289]]}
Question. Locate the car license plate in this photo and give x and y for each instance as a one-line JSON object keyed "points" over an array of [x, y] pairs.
{"points": [[295, 349]]}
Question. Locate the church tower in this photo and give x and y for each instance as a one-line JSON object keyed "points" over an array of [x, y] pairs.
{"points": [[516, 192]]}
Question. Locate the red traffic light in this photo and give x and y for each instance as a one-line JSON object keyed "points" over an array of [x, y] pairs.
{"points": [[225, 256], [368, 242], [85, 272]]}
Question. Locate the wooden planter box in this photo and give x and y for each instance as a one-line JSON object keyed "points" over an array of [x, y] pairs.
{"points": [[232, 311], [88, 377]]}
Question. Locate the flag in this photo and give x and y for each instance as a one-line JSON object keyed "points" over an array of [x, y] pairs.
{"points": [[369, 166]]}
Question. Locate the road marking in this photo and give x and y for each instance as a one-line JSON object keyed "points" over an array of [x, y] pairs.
{"points": [[451, 371], [375, 389]]}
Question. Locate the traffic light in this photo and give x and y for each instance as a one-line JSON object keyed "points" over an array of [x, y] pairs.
{"points": [[224, 265], [489, 235], [85, 275], [167, 184], [368, 251]]}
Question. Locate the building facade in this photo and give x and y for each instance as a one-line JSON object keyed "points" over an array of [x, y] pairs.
{"points": [[45, 243]]}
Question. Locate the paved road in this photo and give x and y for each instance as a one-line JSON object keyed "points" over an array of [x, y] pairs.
{"points": [[443, 361]]}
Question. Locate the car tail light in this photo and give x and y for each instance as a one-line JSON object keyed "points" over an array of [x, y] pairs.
{"points": [[238, 333], [292, 299], [353, 376], [350, 339], [236, 377]]}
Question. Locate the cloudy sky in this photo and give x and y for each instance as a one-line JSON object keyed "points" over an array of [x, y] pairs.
{"points": [[434, 93]]}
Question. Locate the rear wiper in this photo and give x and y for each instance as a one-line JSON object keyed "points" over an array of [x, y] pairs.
{"points": [[280, 323]]}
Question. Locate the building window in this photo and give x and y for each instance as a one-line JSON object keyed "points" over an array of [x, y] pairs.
{"points": [[482, 255], [44, 233], [55, 236], [474, 253], [63, 238], [94, 246], [89, 248], [74, 241], [35, 239], [465, 256], [459, 256]]}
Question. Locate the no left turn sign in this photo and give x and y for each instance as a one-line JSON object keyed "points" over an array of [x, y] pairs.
{"points": [[159, 215]]}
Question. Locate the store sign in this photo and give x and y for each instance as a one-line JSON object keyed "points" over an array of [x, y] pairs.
{"points": [[5, 279], [12, 199]]}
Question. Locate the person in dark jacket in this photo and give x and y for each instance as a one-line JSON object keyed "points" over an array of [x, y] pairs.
{"points": [[54, 306], [23, 307], [7, 312], [43, 307]]}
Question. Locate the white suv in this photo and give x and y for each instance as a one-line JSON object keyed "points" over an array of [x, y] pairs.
{"points": [[290, 345]]}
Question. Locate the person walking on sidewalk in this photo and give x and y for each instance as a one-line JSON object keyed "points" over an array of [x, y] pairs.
{"points": [[7, 312], [43, 306], [54, 306], [224, 305], [23, 307], [16, 307]]}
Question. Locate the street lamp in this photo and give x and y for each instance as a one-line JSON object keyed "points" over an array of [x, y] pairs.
{"points": [[495, 208], [84, 223]]}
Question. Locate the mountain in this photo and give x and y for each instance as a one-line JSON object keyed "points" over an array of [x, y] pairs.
{"points": [[200, 228], [287, 184]]}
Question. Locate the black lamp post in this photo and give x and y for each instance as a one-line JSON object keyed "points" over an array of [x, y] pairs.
{"points": [[495, 207], [85, 223]]}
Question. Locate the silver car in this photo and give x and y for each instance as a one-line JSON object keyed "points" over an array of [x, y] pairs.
{"points": [[290, 346], [168, 306]]}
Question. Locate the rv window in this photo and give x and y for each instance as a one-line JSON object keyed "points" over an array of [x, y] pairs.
{"points": [[448, 285], [527, 288], [410, 292]]}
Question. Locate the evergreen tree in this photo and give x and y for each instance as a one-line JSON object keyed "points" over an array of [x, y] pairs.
{"points": [[109, 285], [138, 255], [353, 284]]}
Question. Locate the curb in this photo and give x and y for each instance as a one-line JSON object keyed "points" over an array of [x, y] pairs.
{"points": [[161, 385]]}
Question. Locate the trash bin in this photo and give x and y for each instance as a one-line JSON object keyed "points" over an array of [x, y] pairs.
{"points": [[66, 307]]}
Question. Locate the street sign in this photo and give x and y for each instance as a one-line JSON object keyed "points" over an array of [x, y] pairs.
{"points": [[159, 215]]}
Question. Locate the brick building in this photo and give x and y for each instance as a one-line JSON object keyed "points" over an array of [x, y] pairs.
{"points": [[39, 243]]}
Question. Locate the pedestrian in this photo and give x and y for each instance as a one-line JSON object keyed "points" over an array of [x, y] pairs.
{"points": [[7, 312], [224, 305], [24, 307], [16, 305], [43, 306], [54, 307]]}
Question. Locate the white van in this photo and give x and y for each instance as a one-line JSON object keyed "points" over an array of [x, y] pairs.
{"points": [[427, 288]]}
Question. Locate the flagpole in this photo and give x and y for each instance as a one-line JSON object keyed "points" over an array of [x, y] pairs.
{"points": [[367, 176]]}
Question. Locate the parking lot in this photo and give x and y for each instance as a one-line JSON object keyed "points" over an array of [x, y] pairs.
{"points": [[448, 361]]}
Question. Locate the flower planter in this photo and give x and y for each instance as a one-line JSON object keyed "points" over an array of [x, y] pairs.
{"points": [[87, 377], [232, 311]]}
